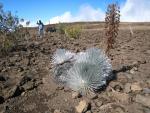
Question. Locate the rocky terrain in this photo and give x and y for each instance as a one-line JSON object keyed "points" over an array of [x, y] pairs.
{"points": [[27, 85]]}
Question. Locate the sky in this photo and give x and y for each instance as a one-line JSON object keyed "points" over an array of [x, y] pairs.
{"points": [[54, 11]]}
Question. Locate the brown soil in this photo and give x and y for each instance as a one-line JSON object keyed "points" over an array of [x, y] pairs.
{"points": [[27, 86]]}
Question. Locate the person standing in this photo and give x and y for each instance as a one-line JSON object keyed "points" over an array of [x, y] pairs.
{"points": [[40, 29]]}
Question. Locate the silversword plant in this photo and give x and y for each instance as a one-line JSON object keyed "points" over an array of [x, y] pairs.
{"points": [[82, 71]]}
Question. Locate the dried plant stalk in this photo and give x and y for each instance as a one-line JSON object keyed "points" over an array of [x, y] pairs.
{"points": [[112, 21]]}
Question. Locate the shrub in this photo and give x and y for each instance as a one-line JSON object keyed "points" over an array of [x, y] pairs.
{"points": [[6, 45], [11, 32], [61, 28], [73, 31]]}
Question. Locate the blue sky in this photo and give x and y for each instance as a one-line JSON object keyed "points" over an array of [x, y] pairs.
{"points": [[69, 10], [46, 9]]}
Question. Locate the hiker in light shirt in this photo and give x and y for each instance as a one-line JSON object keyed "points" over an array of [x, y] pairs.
{"points": [[41, 28]]}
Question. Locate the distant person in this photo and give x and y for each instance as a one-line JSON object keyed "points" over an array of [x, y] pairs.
{"points": [[41, 28]]}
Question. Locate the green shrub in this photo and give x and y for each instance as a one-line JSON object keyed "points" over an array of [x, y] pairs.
{"points": [[61, 28], [73, 31]]}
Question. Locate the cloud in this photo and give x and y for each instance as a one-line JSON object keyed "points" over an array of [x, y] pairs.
{"points": [[131, 11], [32, 24], [85, 13], [136, 11]]}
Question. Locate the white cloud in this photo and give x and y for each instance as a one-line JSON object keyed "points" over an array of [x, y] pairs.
{"points": [[131, 11], [136, 11], [85, 13], [32, 24], [66, 17]]}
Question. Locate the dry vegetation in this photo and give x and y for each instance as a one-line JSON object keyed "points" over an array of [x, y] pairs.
{"points": [[71, 31], [112, 21]]}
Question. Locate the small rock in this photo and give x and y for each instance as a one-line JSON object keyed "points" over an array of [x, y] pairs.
{"points": [[122, 77], [116, 85], [93, 104], [28, 86], [29, 107], [113, 84], [127, 88], [132, 71], [20, 69], [119, 110], [89, 111], [26, 78], [83, 106], [76, 95], [144, 100], [122, 97], [66, 89], [146, 90], [136, 87], [60, 88], [13, 92], [143, 61], [92, 95], [3, 70], [57, 111], [99, 103], [31, 84], [129, 76], [135, 68], [23, 93], [135, 63]]}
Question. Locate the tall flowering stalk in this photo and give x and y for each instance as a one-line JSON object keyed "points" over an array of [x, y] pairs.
{"points": [[112, 21]]}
